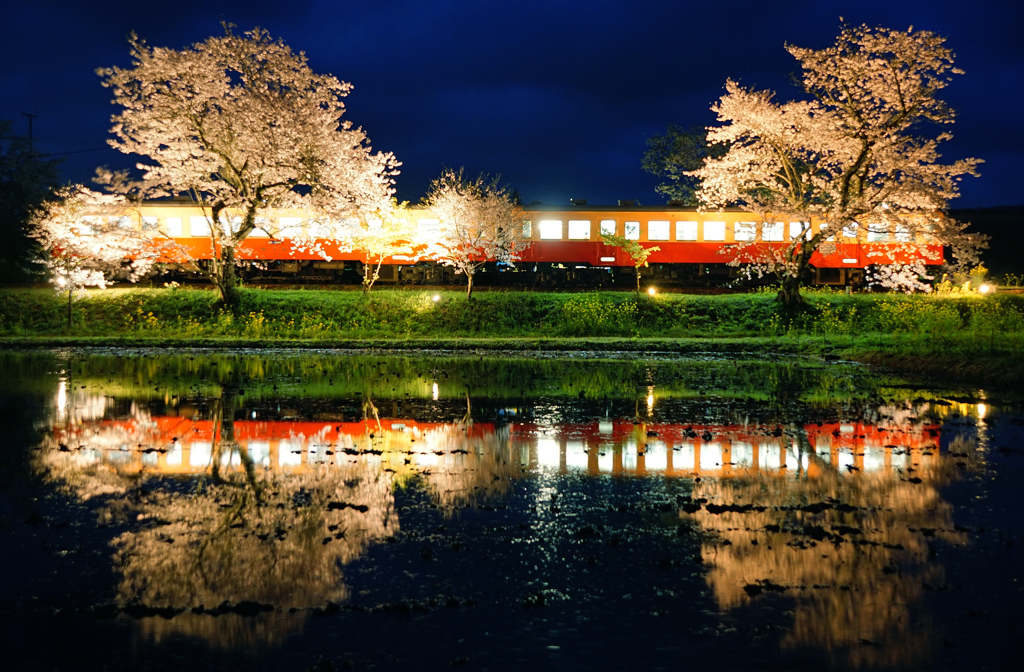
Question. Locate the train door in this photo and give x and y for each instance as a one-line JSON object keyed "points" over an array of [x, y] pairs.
{"points": [[606, 253]]}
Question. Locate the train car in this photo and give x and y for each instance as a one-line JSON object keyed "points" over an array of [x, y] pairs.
{"points": [[565, 247]]}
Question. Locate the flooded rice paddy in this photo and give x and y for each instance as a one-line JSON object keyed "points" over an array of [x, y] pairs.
{"points": [[321, 511]]}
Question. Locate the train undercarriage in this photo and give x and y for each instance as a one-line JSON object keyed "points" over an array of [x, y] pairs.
{"points": [[540, 275]]}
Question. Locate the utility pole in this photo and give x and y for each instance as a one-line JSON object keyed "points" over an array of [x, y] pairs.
{"points": [[30, 118]]}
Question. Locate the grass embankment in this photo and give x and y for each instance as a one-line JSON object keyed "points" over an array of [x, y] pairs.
{"points": [[980, 339]]}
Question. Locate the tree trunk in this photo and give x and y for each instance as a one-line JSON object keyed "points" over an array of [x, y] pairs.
{"points": [[638, 283], [71, 293], [227, 279], [469, 284], [789, 292]]}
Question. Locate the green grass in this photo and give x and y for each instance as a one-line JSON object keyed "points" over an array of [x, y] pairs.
{"points": [[968, 336]]}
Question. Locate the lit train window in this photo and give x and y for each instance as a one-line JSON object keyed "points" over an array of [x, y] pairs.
{"points": [[657, 230], [260, 231], [173, 225], [796, 228], [686, 230], [903, 233], [878, 233], [290, 227], [234, 222], [579, 229], [714, 230], [550, 229], [607, 227], [633, 230], [527, 228], [199, 226], [150, 224], [745, 231], [850, 230], [87, 226], [773, 232]]}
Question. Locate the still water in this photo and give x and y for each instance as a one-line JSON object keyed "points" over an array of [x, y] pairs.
{"points": [[333, 510]]}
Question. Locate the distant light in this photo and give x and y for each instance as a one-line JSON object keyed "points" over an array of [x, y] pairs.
{"points": [[652, 291], [254, 415], [437, 297], [984, 289]]}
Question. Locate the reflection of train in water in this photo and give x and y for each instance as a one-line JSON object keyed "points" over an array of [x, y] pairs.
{"points": [[565, 246], [181, 445]]}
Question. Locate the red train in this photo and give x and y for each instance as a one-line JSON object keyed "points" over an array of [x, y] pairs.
{"points": [[565, 247]]}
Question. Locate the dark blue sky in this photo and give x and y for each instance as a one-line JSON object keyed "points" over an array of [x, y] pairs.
{"points": [[557, 97]]}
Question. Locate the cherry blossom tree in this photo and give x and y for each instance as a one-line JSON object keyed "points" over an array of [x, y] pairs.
{"points": [[241, 124], [851, 155], [478, 223], [88, 239], [388, 233]]}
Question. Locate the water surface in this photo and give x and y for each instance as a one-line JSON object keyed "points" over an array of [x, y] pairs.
{"points": [[296, 510]]}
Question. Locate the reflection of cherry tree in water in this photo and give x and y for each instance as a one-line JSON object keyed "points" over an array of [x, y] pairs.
{"points": [[852, 549], [245, 535]]}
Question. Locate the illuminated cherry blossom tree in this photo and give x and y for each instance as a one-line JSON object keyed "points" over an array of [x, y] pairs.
{"points": [[478, 223], [88, 239], [852, 154], [240, 123]]}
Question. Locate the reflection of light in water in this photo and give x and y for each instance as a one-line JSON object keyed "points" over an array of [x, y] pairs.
{"points": [[655, 456], [575, 455], [710, 455], [982, 410], [436, 392], [547, 453], [683, 458], [62, 396], [742, 454], [650, 400], [201, 453]]}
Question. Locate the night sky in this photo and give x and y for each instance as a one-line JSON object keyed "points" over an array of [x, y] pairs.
{"points": [[557, 97]]}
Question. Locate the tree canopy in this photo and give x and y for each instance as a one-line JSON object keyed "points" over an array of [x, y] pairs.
{"points": [[240, 123], [26, 179], [478, 222], [856, 152], [674, 156]]}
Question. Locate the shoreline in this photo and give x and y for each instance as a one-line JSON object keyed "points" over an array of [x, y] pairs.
{"points": [[992, 371]]}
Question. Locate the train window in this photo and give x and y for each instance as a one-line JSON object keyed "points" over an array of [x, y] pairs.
{"points": [[199, 226], [796, 228], [527, 228], [173, 225], [745, 231], [714, 230], [579, 229], [150, 224], [290, 227], [686, 230], [234, 222], [87, 226], [878, 233], [850, 230], [657, 230], [607, 227], [903, 234], [260, 231], [550, 229], [773, 232], [824, 226], [633, 230]]}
